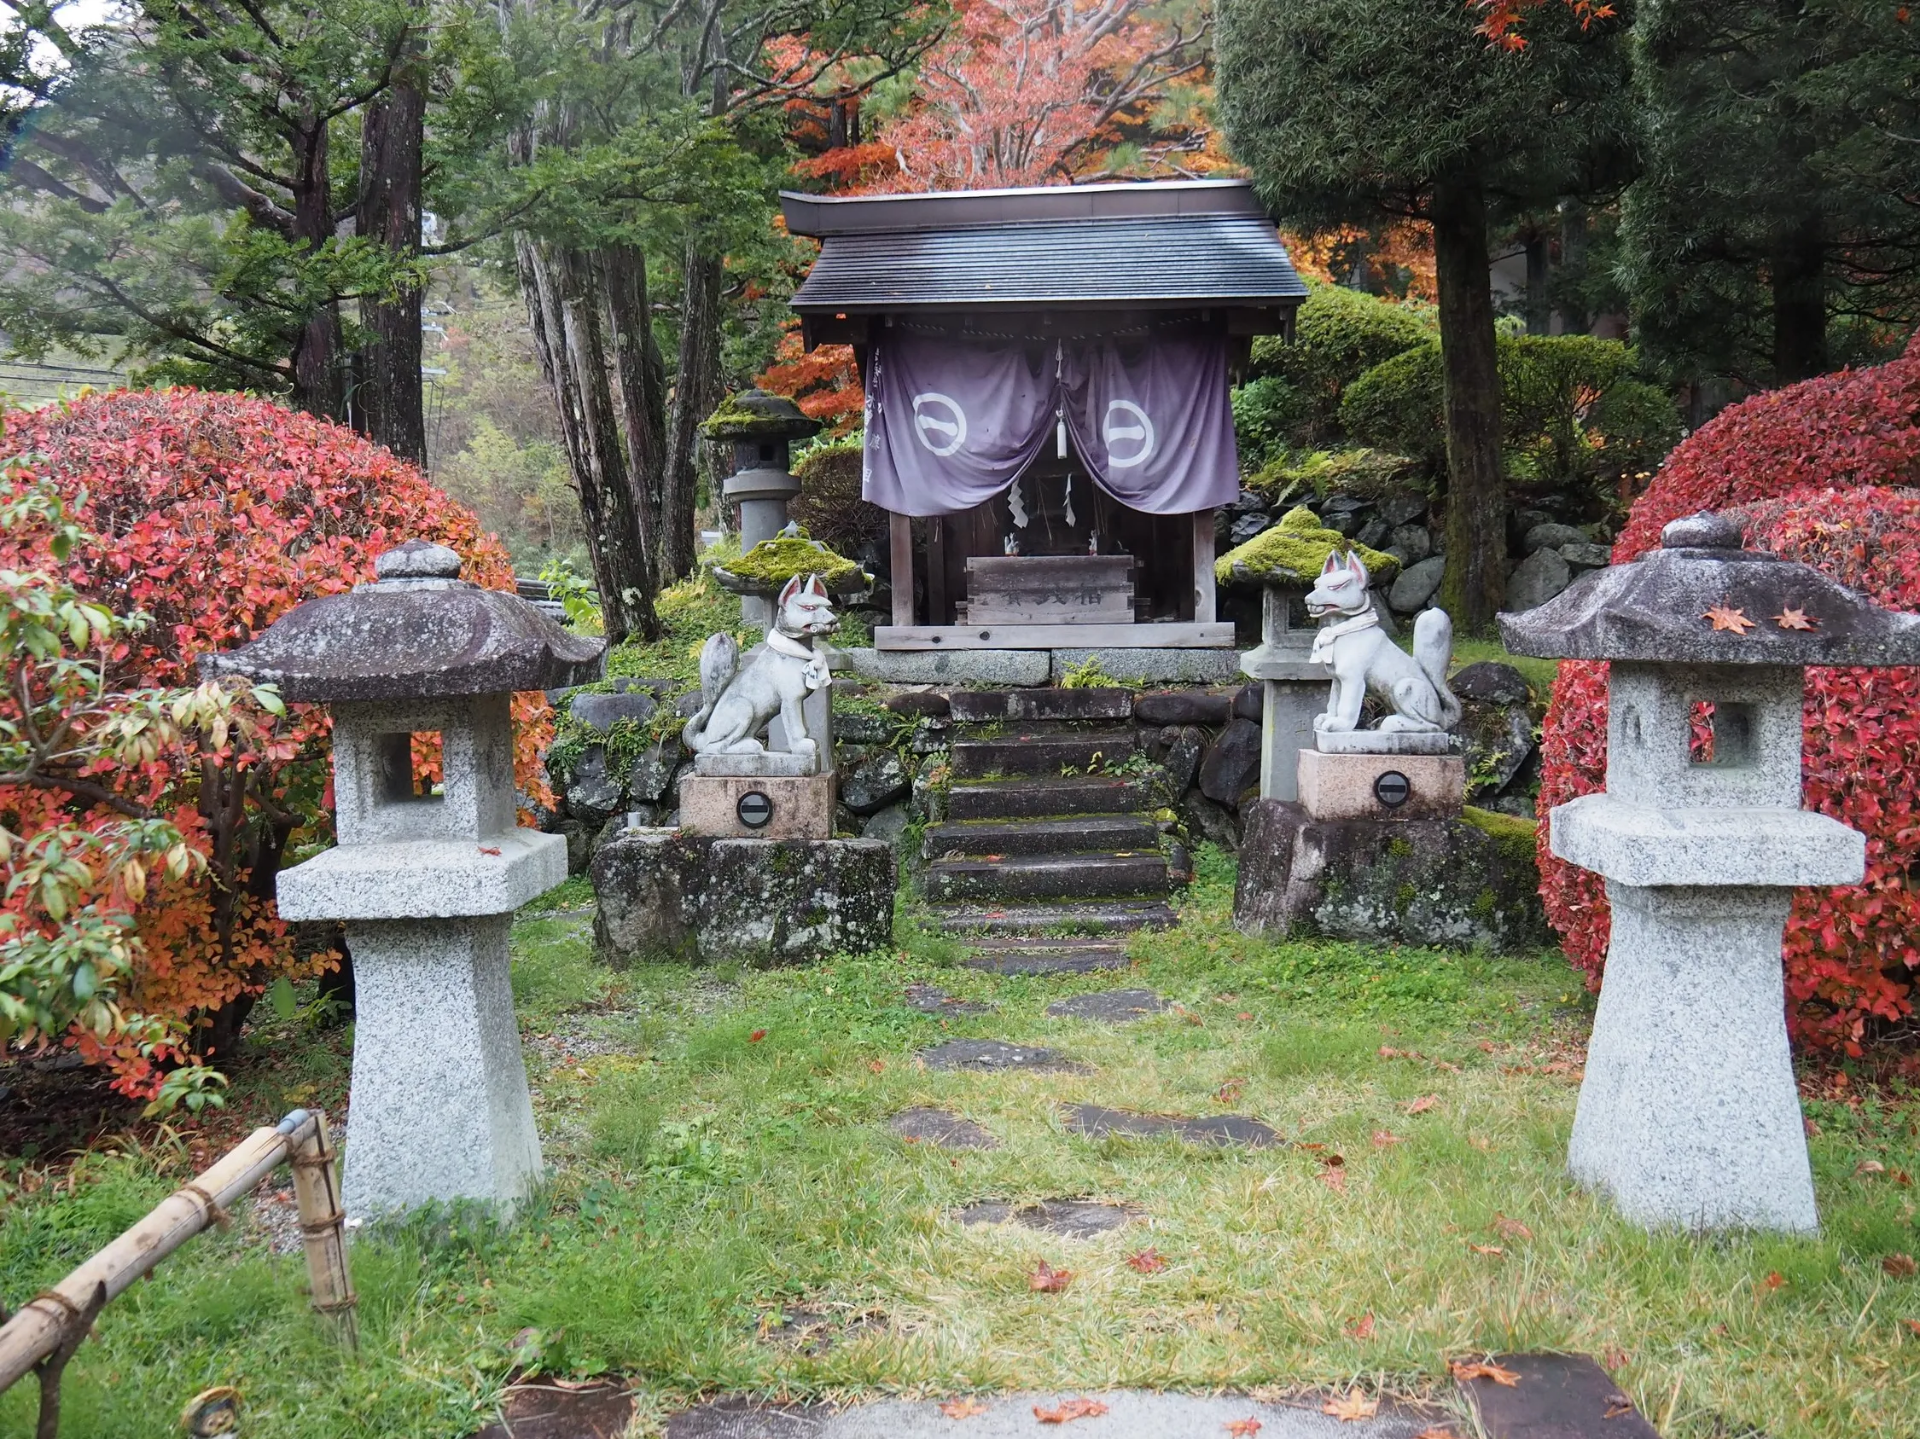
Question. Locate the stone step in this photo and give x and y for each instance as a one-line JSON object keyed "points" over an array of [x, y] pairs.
{"points": [[1059, 959], [1048, 876], [1038, 797], [1107, 832], [983, 706], [1040, 754], [1034, 920]]}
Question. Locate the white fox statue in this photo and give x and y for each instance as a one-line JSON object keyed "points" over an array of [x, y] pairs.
{"points": [[1364, 658], [736, 704]]}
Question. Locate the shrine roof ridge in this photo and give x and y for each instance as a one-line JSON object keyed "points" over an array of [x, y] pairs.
{"points": [[823, 215]]}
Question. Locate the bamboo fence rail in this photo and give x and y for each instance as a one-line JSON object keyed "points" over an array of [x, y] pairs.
{"points": [[42, 1336]]}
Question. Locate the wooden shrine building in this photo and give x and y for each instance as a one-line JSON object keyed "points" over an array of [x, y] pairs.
{"points": [[1047, 375]]}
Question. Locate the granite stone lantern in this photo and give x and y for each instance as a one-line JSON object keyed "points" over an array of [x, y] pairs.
{"points": [[426, 877], [762, 428], [1688, 1114]]}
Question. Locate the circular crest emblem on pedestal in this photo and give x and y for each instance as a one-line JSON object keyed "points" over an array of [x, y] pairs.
{"points": [[755, 809], [1392, 788]]}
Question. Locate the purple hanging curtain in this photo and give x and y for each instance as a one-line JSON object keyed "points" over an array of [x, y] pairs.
{"points": [[952, 422], [1152, 420]]}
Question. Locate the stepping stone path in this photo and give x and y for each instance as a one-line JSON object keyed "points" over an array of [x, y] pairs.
{"points": [[1110, 1006], [941, 1128], [1068, 1218], [991, 1054], [929, 999], [1097, 1123]]}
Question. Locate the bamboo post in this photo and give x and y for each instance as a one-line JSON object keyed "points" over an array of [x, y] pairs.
{"points": [[47, 1319], [900, 567], [323, 1228]]}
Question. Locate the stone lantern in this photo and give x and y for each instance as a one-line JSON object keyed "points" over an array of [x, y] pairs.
{"points": [[762, 429], [426, 878], [1688, 1114]]}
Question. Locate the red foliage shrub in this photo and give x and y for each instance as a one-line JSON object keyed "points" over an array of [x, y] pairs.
{"points": [[1851, 952], [219, 513]]}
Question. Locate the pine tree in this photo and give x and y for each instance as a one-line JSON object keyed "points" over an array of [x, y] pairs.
{"points": [[1776, 213], [1350, 112]]}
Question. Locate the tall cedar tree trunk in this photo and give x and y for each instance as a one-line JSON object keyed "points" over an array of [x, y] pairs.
{"points": [[696, 388], [642, 376], [1798, 268], [1476, 575], [388, 407], [560, 287], [318, 386]]}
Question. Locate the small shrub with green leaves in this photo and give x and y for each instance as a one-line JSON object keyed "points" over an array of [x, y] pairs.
{"points": [[1339, 334], [1572, 409]]}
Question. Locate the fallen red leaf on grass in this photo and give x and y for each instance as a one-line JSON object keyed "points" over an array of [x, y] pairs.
{"points": [[1423, 1104], [1774, 1280], [1045, 1279], [1070, 1410], [1614, 1357], [1384, 1137], [878, 1066], [1464, 1371], [1351, 1407], [1485, 1248], [1333, 1173], [1868, 1167], [756, 1036], [1244, 1428], [1230, 1091], [1147, 1261], [1900, 1266], [962, 1408], [1361, 1328], [1510, 1228], [1913, 1326]]}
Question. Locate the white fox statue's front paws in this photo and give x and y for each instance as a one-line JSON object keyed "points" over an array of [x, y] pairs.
{"points": [[1331, 723]]}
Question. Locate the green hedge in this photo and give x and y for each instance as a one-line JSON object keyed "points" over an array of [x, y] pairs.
{"points": [[1293, 396], [1572, 409]]}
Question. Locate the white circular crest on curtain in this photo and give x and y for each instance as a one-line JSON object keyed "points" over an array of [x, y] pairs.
{"points": [[955, 428], [1114, 434]]}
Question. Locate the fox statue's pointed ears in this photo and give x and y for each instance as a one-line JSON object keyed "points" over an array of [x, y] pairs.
{"points": [[1350, 562], [809, 585]]}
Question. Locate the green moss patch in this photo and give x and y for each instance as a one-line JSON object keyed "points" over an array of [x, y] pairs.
{"points": [[775, 561], [1514, 835], [1294, 552]]}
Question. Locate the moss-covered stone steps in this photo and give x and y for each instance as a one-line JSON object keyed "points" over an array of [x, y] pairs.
{"points": [[1100, 832], [1041, 754], [1042, 796], [1049, 876], [1022, 938]]}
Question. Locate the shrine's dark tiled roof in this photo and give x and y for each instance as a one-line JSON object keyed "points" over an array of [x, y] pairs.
{"points": [[1155, 246]]}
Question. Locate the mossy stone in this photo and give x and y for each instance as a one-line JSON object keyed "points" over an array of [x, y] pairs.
{"points": [[773, 562], [757, 415], [1294, 552]]}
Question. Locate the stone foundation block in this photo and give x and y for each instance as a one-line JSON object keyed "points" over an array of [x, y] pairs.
{"points": [[1464, 882], [802, 805], [1348, 786], [668, 896], [440, 1104]]}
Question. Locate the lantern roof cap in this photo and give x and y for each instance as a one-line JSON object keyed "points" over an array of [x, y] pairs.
{"points": [[758, 415], [419, 632], [1703, 598]]}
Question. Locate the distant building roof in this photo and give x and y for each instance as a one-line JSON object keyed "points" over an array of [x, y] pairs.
{"points": [[1161, 245]]}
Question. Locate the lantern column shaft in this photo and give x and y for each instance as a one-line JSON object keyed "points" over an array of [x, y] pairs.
{"points": [[1689, 1116], [440, 1103], [1293, 691]]}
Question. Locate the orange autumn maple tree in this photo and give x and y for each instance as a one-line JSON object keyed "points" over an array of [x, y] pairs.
{"points": [[217, 513]]}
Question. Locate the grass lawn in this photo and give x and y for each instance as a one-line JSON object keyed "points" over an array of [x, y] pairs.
{"points": [[710, 1182]]}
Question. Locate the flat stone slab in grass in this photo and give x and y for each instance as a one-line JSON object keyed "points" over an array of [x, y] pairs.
{"points": [[546, 1411], [1048, 956], [929, 999], [995, 1054], [941, 1128], [1068, 1218], [1109, 1006], [1235, 1129], [1129, 1414], [1559, 1396]]}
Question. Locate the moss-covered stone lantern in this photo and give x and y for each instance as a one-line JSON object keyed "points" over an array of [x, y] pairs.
{"points": [[761, 428]]}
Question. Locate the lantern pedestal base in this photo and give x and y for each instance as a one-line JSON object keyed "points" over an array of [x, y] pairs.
{"points": [[790, 807], [440, 1105], [1689, 1117]]}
